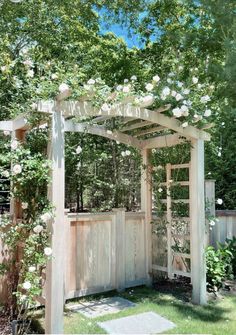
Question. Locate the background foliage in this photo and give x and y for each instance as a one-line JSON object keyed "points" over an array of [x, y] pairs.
{"points": [[60, 38]]}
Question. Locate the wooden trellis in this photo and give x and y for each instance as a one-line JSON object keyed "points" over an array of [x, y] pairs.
{"points": [[138, 123]]}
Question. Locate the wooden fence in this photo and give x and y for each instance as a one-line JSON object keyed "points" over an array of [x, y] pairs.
{"points": [[224, 228], [105, 251]]}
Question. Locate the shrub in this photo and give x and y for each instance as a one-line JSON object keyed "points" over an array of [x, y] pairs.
{"points": [[219, 266]]}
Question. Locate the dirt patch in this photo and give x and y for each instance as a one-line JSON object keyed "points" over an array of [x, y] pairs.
{"points": [[180, 287]]}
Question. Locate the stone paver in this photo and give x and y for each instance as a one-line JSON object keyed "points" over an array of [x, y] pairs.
{"points": [[143, 323], [96, 308]]}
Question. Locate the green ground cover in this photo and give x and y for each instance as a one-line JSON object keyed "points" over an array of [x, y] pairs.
{"points": [[217, 318]]}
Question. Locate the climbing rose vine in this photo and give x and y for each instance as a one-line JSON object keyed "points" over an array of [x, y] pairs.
{"points": [[25, 238]]}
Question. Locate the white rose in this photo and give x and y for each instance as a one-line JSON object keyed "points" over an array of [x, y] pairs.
{"points": [[127, 153], [199, 85], [187, 102], [54, 76], [123, 154], [197, 117], [46, 217], [3, 68], [219, 201], [178, 97], [149, 87], [23, 297], [147, 100], [160, 189], [205, 99], [47, 251], [109, 132], [6, 133], [207, 112], [173, 93], [156, 78], [28, 63], [186, 91], [105, 107], [30, 74], [78, 150], [195, 80], [171, 74], [6, 174], [179, 84], [14, 144], [166, 91], [24, 205], [27, 285], [185, 124], [177, 112], [32, 268], [169, 81], [63, 88], [119, 88], [34, 106], [133, 78], [126, 89], [212, 223], [181, 68], [184, 108], [91, 82], [17, 169], [38, 229]]}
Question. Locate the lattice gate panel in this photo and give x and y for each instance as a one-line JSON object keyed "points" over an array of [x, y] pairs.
{"points": [[178, 260]]}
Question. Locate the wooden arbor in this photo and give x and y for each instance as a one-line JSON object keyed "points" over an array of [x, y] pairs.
{"points": [[137, 122]]}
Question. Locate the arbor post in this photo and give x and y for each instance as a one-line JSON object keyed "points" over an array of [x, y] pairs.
{"points": [[197, 219], [56, 193], [146, 206]]}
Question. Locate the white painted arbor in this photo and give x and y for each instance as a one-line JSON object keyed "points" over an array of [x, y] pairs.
{"points": [[137, 122]]}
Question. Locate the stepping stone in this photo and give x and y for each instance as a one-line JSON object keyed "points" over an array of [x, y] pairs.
{"points": [[96, 308], [143, 323]]}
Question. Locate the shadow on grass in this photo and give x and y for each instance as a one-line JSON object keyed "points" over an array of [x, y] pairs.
{"points": [[180, 300]]}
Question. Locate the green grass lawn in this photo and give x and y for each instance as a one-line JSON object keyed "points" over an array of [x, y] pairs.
{"points": [[218, 317]]}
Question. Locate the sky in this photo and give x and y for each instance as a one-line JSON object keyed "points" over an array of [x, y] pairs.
{"points": [[131, 40]]}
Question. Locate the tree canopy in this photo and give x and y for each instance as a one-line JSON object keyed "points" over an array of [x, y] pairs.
{"points": [[41, 38]]}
